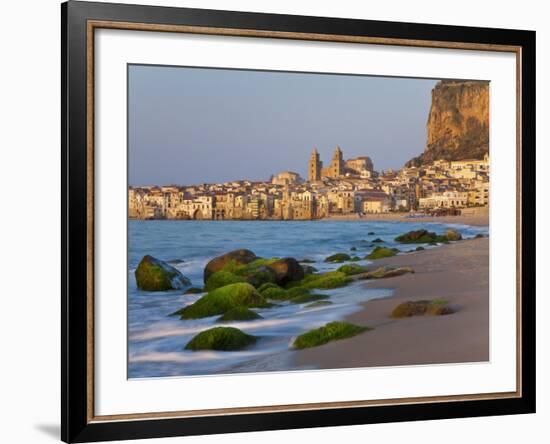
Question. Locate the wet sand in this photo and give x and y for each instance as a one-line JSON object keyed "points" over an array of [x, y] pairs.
{"points": [[458, 273]]}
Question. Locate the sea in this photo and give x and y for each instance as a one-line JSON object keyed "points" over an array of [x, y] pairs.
{"points": [[156, 340]]}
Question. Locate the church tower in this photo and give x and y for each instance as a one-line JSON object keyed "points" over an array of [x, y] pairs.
{"points": [[337, 164], [314, 167]]}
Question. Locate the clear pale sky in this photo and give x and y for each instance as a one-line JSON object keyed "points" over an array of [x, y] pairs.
{"points": [[195, 125]]}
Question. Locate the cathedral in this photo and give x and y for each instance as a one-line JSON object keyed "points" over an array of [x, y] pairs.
{"points": [[338, 168]]}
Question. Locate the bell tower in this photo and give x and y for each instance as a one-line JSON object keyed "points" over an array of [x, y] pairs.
{"points": [[314, 167], [337, 164]]}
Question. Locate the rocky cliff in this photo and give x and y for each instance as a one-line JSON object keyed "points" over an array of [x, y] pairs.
{"points": [[458, 122]]}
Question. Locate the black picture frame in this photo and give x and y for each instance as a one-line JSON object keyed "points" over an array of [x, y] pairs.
{"points": [[76, 424]]}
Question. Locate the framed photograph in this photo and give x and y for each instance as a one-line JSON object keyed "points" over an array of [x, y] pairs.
{"points": [[275, 221]]}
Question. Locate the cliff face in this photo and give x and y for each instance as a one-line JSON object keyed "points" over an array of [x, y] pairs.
{"points": [[458, 122]]}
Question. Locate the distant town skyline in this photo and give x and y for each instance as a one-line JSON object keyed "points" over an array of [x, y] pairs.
{"points": [[205, 125]]}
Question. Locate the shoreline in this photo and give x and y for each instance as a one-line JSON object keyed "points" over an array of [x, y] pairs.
{"points": [[480, 219], [458, 273]]}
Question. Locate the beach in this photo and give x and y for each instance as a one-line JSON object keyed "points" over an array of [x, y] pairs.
{"points": [[476, 217], [457, 273]]}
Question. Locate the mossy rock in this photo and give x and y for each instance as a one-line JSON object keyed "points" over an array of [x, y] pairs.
{"points": [[351, 269], [382, 252], [420, 237], [337, 258], [221, 279], [308, 269], [155, 275], [255, 266], [239, 314], [281, 294], [286, 270], [383, 272], [262, 275], [267, 285], [194, 290], [228, 262], [322, 303], [355, 259], [221, 339], [332, 279], [332, 331], [434, 307], [453, 235], [308, 298], [275, 293], [297, 291], [222, 300]]}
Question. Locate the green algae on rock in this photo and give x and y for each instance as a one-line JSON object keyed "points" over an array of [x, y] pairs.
{"points": [[222, 300], [382, 252], [434, 307], [155, 275], [332, 331], [338, 257], [239, 314], [221, 339]]}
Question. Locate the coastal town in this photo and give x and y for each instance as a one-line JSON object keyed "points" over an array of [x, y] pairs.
{"points": [[342, 188]]}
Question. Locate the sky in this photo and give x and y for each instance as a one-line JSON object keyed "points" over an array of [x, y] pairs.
{"points": [[202, 125]]}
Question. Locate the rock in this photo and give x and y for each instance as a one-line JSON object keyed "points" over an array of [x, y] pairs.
{"points": [[332, 331], [175, 261], [351, 269], [222, 339], [355, 259], [353, 249], [287, 270], [479, 236], [307, 298], [381, 273], [435, 307], [194, 290], [370, 233], [233, 258], [222, 300], [377, 240], [276, 293], [306, 261], [382, 252], [261, 275], [221, 279], [155, 275], [332, 279], [420, 237], [420, 249], [338, 257], [453, 235], [239, 314], [308, 269]]}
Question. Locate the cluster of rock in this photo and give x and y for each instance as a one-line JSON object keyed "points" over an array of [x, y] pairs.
{"points": [[237, 282]]}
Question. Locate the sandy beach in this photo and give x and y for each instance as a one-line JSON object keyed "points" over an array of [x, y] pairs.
{"points": [[458, 273], [476, 218]]}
